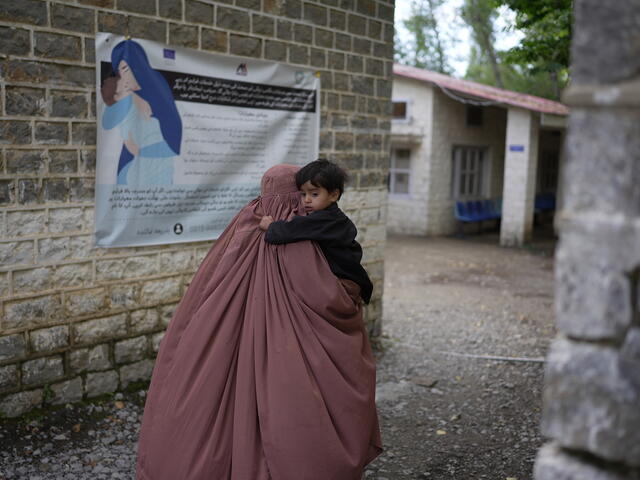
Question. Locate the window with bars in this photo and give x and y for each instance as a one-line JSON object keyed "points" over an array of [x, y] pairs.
{"points": [[400, 112], [469, 165], [400, 171]]}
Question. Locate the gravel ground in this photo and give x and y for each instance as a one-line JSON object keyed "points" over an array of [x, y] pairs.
{"points": [[446, 411]]}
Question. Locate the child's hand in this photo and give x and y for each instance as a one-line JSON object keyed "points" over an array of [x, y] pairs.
{"points": [[265, 222]]}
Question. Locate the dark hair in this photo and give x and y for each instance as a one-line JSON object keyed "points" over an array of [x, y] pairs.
{"points": [[323, 173]]}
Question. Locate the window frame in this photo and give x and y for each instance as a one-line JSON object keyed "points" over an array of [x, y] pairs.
{"points": [[407, 117], [393, 170], [460, 171]]}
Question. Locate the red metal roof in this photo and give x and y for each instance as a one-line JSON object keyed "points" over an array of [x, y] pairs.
{"points": [[499, 95]]}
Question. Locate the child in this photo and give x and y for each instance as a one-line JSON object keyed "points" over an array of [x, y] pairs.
{"points": [[321, 184]]}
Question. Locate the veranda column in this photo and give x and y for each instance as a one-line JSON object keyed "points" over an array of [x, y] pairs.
{"points": [[521, 161], [592, 392]]}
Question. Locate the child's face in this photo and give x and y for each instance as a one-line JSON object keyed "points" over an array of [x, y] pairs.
{"points": [[317, 198]]}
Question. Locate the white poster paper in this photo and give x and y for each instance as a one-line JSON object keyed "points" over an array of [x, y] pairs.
{"points": [[184, 137]]}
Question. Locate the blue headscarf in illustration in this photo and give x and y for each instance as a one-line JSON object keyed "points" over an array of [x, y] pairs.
{"points": [[155, 90]]}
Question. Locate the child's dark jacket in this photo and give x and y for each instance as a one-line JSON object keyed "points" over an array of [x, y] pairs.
{"points": [[335, 234]]}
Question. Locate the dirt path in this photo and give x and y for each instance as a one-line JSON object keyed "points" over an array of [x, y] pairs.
{"points": [[444, 415]]}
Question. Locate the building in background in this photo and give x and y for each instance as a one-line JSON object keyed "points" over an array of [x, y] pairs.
{"points": [[455, 140]]}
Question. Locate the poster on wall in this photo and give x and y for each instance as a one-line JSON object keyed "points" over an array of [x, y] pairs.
{"points": [[184, 137]]}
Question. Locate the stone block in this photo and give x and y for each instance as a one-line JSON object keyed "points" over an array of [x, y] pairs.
{"points": [[184, 35], [198, 12], [49, 339], [58, 46], [215, 40], [14, 41], [317, 58], [590, 134], [176, 261], [276, 51], [69, 104], [88, 161], [284, 29], [8, 376], [136, 372], [302, 34], [315, 14], [147, 7], [82, 247], [4, 284], [591, 401], [124, 296], [337, 19], [594, 286], [113, 22], [148, 28], [24, 11], [54, 190], [129, 267], [67, 392], [28, 191], [77, 274], [12, 347], [343, 42], [83, 134], [170, 9], [15, 253], [357, 24], [90, 359], [166, 313], [75, 19], [65, 220], [263, 25], [250, 4], [25, 101], [131, 350], [63, 161], [85, 302], [31, 312], [144, 320], [42, 370], [100, 383], [160, 291], [156, 339], [15, 132], [82, 190], [7, 194], [51, 249], [554, 463], [25, 222], [245, 46], [32, 280], [99, 329], [16, 404], [25, 161], [375, 29]]}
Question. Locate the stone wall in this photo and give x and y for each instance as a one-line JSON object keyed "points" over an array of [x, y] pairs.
{"points": [[592, 392], [79, 321]]}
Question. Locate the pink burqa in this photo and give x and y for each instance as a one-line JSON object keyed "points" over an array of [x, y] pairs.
{"points": [[265, 371]]}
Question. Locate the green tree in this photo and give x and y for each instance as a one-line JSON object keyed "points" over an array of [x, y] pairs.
{"points": [[545, 47], [480, 16], [426, 47]]}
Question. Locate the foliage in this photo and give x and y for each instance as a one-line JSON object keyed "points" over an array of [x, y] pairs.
{"points": [[426, 48], [480, 15], [546, 25]]}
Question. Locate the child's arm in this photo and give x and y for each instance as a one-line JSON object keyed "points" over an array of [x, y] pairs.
{"points": [[317, 226]]}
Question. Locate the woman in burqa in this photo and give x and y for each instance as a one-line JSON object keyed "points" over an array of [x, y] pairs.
{"points": [[265, 371]]}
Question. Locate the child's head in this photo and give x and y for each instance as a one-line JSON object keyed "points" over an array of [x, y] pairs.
{"points": [[322, 183]]}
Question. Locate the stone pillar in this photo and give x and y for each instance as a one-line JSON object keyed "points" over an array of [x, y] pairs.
{"points": [[592, 392], [520, 164]]}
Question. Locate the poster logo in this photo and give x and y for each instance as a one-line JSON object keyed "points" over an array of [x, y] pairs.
{"points": [[177, 228], [299, 77], [170, 54], [242, 69]]}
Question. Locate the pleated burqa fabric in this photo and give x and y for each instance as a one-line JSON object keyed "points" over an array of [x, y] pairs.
{"points": [[265, 371]]}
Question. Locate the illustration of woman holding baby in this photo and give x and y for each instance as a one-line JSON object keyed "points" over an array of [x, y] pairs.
{"points": [[140, 102]]}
